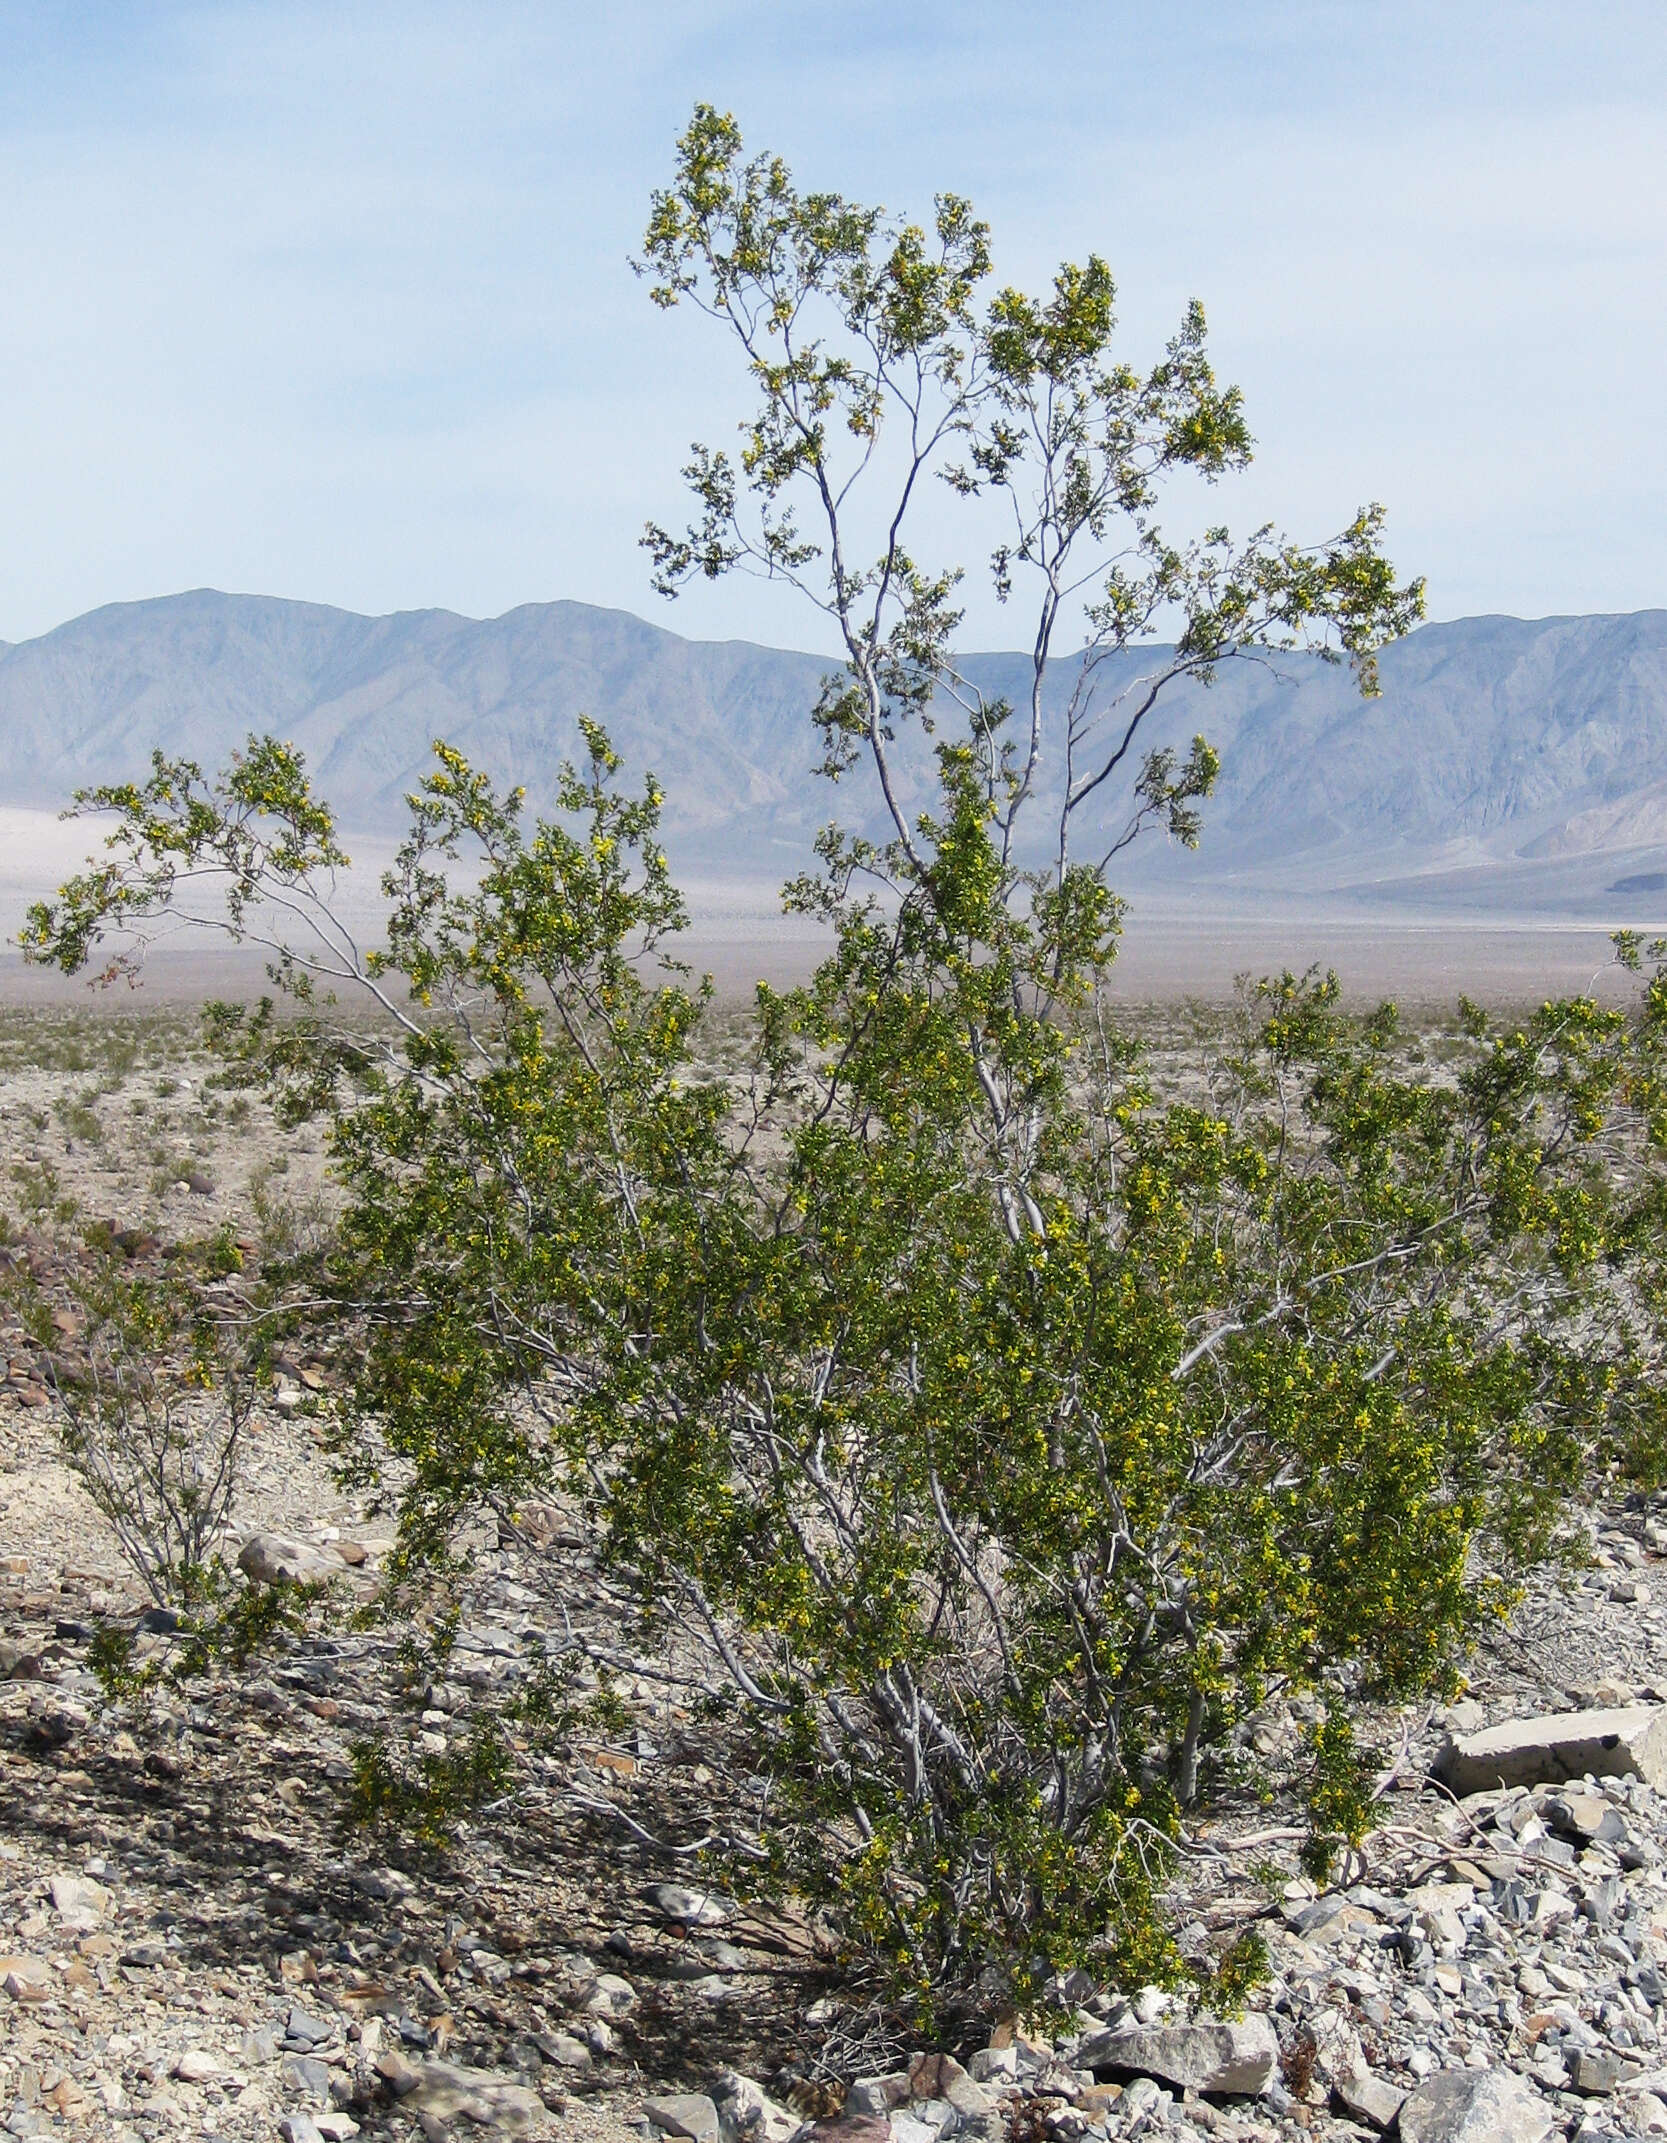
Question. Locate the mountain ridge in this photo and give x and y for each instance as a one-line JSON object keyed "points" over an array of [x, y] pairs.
{"points": [[1496, 742]]}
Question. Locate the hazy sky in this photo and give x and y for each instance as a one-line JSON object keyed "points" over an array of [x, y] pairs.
{"points": [[333, 302]]}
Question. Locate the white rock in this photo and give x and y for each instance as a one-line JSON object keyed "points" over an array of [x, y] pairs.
{"points": [[1205, 2055], [269, 1558], [877, 2094], [1476, 2106], [1559, 1748], [1368, 2099], [689, 1908], [79, 1902], [688, 2115], [610, 1995]]}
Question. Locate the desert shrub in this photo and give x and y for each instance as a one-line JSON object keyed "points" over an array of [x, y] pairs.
{"points": [[80, 1118], [291, 1227], [154, 1402], [998, 1469], [40, 1192], [991, 1428]]}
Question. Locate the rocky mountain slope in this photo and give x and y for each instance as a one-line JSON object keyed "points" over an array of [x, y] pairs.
{"points": [[1497, 742]]}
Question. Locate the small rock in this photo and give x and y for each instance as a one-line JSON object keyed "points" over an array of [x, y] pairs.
{"points": [[1584, 1817], [688, 1908], [25, 1979], [387, 1885], [1475, 2106], [1565, 1746], [307, 2079], [1205, 2055], [302, 2031], [400, 2075], [79, 1902], [1368, 2099], [941, 2077], [747, 2115], [444, 2091], [300, 2128], [1143, 2096], [563, 2049], [877, 2095], [1596, 2073], [853, 2128], [1464, 1717], [270, 1559], [689, 2114], [195, 2065], [610, 1995]]}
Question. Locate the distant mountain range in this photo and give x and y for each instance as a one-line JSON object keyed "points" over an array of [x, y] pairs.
{"points": [[1507, 758]]}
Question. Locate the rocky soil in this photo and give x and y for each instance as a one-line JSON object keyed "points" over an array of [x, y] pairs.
{"points": [[193, 1940]]}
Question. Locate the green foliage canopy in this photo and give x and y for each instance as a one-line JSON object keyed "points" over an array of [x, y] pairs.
{"points": [[994, 1428]]}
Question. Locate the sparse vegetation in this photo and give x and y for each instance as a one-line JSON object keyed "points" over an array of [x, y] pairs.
{"points": [[154, 1401]]}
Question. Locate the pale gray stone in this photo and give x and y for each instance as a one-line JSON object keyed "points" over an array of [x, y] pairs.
{"points": [[877, 2094], [746, 2114], [309, 2079], [1646, 2112], [689, 1908], [1558, 1748], [687, 2114], [1368, 2099], [610, 1995], [1586, 1816], [563, 2049], [1596, 2072], [269, 1558], [1204, 2055], [445, 2091], [1476, 2106], [79, 1902]]}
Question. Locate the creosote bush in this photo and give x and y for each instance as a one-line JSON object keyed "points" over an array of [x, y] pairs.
{"points": [[154, 1397], [992, 1433]]}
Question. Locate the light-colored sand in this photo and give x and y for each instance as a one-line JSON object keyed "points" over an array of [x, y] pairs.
{"points": [[1175, 947]]}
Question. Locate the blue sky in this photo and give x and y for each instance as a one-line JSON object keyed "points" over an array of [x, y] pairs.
{"points": [[332, 302]]}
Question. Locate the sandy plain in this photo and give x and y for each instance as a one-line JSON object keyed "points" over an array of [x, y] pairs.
{"points": [[1182, 941]]}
